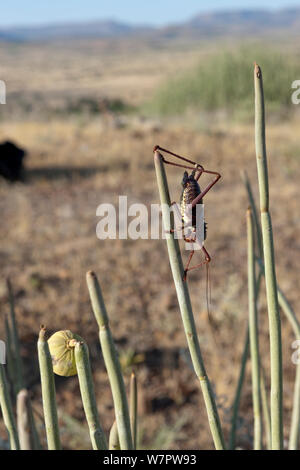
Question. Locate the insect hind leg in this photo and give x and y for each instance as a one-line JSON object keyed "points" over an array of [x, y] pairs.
{"points": [[206, 261], [187, 266]]}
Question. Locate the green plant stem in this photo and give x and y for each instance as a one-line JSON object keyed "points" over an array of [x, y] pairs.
{"points": [[112, 362], [88, 396], [253, 335], [295, 426], [264, 397], [284, 304], [291, 316], [254, 213], [7, 411], [293, 320], [15, 346], [133, 408], [238, 393], [241, 379], [186, 307], [265, 408], [48, 393], [295, 422], [269, 262], [114, 443], [289, 313]]}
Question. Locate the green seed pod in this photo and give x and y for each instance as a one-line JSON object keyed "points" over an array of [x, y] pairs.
{"points": [[61, 346]]}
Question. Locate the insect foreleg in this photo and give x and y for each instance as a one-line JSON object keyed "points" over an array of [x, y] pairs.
{"points": [[205, 191], [196, 167], [157, 148]]}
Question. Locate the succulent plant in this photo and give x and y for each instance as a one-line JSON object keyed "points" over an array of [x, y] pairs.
{"points": [[61, 346], [66, 354]]}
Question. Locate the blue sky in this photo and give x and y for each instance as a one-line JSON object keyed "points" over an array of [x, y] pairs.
{"points": [[25, 12]]}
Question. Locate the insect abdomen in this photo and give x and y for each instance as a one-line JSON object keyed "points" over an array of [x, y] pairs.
{"points": [[189, 193]]}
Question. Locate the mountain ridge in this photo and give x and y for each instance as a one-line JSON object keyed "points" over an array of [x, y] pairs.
{"points": [[245, 21]]}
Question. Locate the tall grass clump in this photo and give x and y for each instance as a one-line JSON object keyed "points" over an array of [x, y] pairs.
{"points": [[221, 81]]}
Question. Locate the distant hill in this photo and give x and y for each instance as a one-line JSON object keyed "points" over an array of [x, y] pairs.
{"points": [[218, 23], [93, 29], [240, 21]]}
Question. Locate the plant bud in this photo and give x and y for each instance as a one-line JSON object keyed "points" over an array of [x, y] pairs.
{"points": [[61, 346]]}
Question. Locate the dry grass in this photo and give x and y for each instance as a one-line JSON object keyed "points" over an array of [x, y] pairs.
{"points": [[127, 69], [48, 242]]}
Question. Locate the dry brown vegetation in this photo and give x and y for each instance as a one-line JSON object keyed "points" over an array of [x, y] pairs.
{"points": [[48, 238]]}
